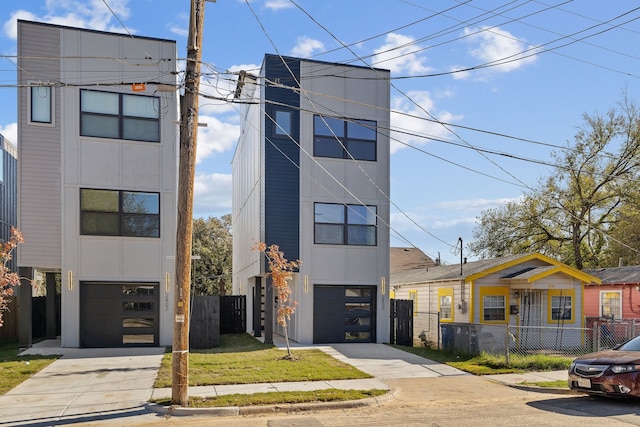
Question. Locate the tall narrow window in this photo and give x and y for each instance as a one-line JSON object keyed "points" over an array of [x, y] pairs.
{"points": [[41, 104], [282, 125], [445, 304]]}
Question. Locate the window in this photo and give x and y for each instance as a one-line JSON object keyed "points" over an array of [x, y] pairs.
{"points": [[343, 139], [345, 224], [119, 116], [493, 304], [413, 296], [560, 303], [119, 213], [283, 123], [611, 304], [445, 304], [40, 104]]}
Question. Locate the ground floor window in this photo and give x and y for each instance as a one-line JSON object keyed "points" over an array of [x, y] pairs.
{"points": [[560, 303], [493, 304], [445, 304], [611, 304]]}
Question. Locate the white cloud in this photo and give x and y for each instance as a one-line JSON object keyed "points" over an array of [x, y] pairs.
{"points": [[218, 137], [212, 195], [10, 27], [305, 47], [93, 14], [400, 55], [493, 45], [180, 25], [408, 120], [278, 4], [474, 204], [10, 132]]}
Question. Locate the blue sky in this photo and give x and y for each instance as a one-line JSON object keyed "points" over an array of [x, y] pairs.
{"points": [[510, 77]]}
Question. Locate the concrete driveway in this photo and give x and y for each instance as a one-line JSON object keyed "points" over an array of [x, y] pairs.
{"points": [[84, 385]]}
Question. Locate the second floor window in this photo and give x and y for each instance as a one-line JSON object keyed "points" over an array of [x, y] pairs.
{"points": [[345, 224], [119, 213], [119, 116], [344, 139]]}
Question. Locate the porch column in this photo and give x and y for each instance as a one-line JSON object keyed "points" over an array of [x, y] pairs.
{"points": [[50, 281], [25, 306]]}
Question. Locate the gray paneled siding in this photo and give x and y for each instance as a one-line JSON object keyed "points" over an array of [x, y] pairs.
{"points": [[282, 159], [39, 151]]}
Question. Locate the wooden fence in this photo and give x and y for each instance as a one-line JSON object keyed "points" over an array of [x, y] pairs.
{"points": [[215, 315]]}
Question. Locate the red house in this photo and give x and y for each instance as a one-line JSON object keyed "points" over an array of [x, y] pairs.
{"points": [[618, 297]]}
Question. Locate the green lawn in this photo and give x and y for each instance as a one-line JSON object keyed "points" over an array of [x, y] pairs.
{"points": [[486, 364], [15, 369], [241, 359]]}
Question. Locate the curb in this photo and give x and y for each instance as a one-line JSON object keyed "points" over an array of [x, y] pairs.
{"points": [[227, 411], [536, 389]]}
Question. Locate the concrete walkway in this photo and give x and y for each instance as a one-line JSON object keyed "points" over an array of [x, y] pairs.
{"points": [[88, 385]]}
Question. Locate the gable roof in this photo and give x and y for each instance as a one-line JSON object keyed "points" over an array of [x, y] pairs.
{"points": [[617, 275], [476, 269], [402, 259]]}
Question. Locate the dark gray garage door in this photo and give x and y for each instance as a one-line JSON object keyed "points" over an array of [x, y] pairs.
{"points": [[344, 314], [119, 314]]}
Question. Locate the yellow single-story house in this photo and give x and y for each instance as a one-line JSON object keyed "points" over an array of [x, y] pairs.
{"points": [[527, 290]]}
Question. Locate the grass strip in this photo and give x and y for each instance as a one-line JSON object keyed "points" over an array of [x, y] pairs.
{"points": [[275, 398], [487, 364]]}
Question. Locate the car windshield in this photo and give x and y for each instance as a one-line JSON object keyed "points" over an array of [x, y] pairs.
{"points": [[631, 345]]}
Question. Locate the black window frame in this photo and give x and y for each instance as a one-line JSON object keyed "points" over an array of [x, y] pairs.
{"points": [[347, 227], [122, 216], [120, 117], [342, 144]]}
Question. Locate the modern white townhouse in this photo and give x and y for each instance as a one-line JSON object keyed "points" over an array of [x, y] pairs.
{"points": [[97, 178], [311, 175]]}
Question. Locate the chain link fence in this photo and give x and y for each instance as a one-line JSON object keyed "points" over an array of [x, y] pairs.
{"points": [[506, 340]]}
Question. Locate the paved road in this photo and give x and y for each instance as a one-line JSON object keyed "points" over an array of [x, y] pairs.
{"points": [[444, 402]]}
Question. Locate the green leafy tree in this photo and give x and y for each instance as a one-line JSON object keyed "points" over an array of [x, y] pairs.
{"points": [[625, 237], [571, 213], [212, 242]]}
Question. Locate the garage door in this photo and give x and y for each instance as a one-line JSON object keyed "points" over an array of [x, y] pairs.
{"points": [[344, 314], [119, 314]]}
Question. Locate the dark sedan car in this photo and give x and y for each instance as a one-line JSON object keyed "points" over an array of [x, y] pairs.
{"points": [[613, 372]]}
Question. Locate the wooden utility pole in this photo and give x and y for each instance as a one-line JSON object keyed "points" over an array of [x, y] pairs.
{"points": [[186, 174]]}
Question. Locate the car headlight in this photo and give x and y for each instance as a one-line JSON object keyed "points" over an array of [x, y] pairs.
{"points": [[572, 366], [620, 369]]}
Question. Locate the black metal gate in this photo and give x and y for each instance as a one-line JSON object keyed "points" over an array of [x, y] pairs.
{"points": [[401, 329], [233, 314]]}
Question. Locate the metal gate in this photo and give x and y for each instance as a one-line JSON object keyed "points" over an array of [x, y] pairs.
{"points": [[401, 322]]}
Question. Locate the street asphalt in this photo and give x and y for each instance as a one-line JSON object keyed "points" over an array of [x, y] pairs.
{"points": [[112, 385]]}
